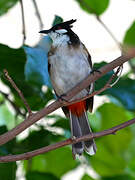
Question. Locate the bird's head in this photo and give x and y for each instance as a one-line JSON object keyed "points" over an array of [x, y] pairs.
{"points": [[59, 31]]}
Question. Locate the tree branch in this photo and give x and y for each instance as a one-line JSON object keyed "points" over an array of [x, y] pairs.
{"points": [[113, 130], [107, 86], [57, 104]]}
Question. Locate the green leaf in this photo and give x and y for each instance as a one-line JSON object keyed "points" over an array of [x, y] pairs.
{"points": [[129, 38], [32, 141], [111, 157], [7, 148], [131, 167], [120, 177], [96, 7], [34, 175], [14, 61], [95, 120], [87, 177], [8, 171], [61, 122], [36, 67], [103, 80], [57, 162], [57, 20], [5, 5], [124, 91], [6, 117]]}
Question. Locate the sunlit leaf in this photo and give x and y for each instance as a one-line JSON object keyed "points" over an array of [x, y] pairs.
{"points": [[5, 5], [129, 41], [119, 177], [6, 117], [111, 159], [57, 162], [129, 38], [96, 7]]}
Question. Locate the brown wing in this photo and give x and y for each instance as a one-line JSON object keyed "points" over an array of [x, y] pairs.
{"points": [[88, 55], [89, 101]]}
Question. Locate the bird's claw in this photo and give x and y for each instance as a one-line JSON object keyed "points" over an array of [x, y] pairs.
{"points": [[95, 70], [62, 99]]}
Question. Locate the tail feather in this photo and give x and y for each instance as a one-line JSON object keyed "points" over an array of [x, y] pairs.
{"points": [[79, 127], [76, 132], [90, 145]]}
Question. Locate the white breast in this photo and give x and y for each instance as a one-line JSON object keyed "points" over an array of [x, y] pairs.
{"points": [[69, 66]]}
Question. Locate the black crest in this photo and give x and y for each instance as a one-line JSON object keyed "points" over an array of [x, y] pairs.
{"points": [[64, 25], [74, 39]]}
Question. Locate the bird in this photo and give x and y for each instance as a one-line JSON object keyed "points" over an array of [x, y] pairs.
{"points": [[69, 63]]}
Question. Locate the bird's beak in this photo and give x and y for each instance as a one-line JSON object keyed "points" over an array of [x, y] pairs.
{"points": [[45, 31]]}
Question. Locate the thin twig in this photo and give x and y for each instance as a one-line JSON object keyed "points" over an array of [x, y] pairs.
{"points": [[19, 91], [23, 22], [109, 32], [102, 23], [16, 108], [38, 14], [114, 76], [119, 71], [57, 104], [111, 131]]}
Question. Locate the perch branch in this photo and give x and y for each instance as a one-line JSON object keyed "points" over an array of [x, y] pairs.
{"points": [[57, 104], [27, 155], [106, 86]]}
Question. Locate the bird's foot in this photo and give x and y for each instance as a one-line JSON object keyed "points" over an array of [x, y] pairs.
{"points": [[95, 70], [62, 98]]}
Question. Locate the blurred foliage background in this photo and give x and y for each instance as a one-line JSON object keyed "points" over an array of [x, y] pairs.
{"points": [[115, 158]]}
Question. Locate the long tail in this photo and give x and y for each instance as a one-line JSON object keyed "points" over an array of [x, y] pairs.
{"points": [[80, 126]]}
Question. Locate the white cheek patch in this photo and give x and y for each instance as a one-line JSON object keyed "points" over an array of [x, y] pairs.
{"points": [[61, 31], [52, 35]]}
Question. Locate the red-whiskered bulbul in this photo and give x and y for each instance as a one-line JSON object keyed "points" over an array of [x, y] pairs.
{"points": [[68, 64]]}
